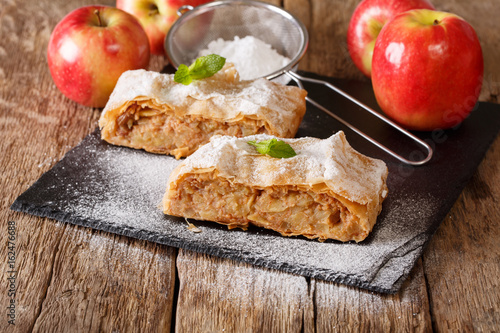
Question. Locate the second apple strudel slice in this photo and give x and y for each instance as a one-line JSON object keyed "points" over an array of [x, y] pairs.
{"points": [[327, 191], [150, 111]]}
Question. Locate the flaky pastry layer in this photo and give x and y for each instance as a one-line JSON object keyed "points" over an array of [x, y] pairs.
{"points": [[150, 111]]}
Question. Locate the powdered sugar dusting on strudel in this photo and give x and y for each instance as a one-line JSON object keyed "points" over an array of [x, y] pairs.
{"points": [[331, 162], [231, 99]]}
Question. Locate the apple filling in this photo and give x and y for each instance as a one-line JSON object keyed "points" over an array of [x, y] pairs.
{"points": [[288, 210], [165, 133]]}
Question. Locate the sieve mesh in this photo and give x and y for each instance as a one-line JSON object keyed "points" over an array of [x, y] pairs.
{"points": [[195, 29]]}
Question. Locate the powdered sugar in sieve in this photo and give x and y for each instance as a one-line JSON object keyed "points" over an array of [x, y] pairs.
{"points": [[252, 57]]}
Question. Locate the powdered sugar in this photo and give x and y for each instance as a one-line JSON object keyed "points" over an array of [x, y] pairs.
{"points": [[219, 97], [331, 161], [252, 57]]}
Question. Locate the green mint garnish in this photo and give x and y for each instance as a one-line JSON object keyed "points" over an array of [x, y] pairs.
{"points": [[203, 67], [273, 148]]}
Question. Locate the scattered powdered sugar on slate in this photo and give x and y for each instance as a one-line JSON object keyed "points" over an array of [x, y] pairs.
{"points": [[401, 233], [119, 190], [130, 184]]}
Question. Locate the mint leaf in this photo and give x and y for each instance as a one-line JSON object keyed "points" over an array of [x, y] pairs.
{"points": [[182, 75], [261, 147], [281, 149], [273, 148], [206, 66], [203, 67]]}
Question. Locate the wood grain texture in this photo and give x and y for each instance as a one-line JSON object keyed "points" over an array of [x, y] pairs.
{"points": [[462, 262], [104, 283], [221, 295], [38, 126], [346, 309], [75, 279]]}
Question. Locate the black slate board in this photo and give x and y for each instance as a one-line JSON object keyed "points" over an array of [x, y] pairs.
{"points": [[119, 190]]}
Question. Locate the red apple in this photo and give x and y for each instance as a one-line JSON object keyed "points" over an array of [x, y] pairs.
{"points": [[427, 69], [366, 22], [156, 16], [90, 48]]}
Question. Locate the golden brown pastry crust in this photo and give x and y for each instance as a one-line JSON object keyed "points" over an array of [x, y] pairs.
{"points": [[172, 118], [286, 195]]}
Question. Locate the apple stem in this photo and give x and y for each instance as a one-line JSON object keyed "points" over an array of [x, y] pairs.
{"points": [[153, 10], [436, 22], [96, 12]]}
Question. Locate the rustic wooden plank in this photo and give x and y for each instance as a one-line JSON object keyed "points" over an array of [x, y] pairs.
{"points": [[345, 309], [37, 128], [462, 262], [67, 277], [221, 295], [32, 266], [214, 293], [103, 282], [302, 11], [327, 23], [329, 42]]}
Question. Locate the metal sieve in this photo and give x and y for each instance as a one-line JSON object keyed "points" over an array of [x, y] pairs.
{"points": [[197, 27]]}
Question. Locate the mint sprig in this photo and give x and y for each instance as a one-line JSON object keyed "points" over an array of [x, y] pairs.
{"points": [[273, 148], [203, 67]]}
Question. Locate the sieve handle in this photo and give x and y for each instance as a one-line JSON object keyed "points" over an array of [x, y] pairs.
{"points": [[297, 78]]}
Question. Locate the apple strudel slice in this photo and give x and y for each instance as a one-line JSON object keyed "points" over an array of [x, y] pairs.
{"points": [[150, 111], [327, 191]]}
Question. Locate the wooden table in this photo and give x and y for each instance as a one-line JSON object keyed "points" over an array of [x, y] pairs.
{"points": [[76, 279]]}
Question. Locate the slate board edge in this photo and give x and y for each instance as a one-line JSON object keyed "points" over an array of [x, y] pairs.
{"points": [[433, 228], [20, 206]]}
